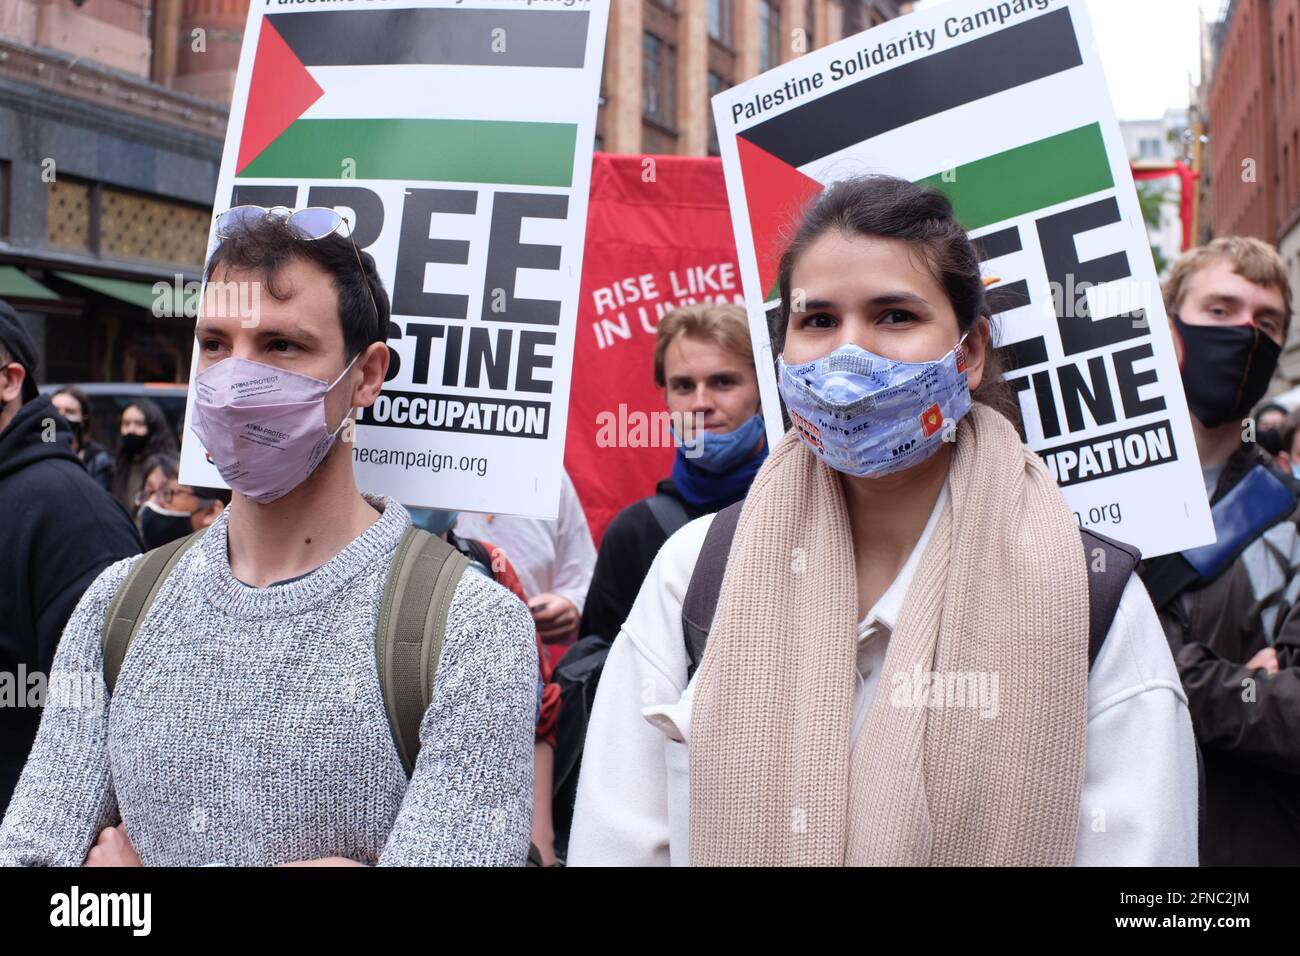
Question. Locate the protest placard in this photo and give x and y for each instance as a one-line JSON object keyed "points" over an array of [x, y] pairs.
{"points": [[658, 237], [1004, 107], [458, 137]]}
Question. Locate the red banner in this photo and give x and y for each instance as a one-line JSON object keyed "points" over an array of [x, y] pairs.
{"points": [[1187, 185], [658, 236]]}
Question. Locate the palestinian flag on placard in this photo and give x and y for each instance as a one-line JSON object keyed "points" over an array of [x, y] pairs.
{"points": [[320, 78], [783, 160]]}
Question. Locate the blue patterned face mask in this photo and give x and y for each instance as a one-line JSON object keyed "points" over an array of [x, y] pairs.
{"points": [[869, 416]]}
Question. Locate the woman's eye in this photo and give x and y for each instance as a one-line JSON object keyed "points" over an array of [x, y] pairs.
{"points": [[281, 345], [897, 317], [818, 320]]}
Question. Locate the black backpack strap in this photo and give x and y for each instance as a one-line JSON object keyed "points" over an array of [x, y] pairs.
{"points": [[133, 599], [701, 601], [408, 641], [1110, 563], [669, 513]]}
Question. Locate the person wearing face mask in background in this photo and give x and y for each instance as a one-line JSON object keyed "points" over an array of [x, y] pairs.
{"points": [[169, 510], [74, 406], [144, 432], [1270, 419], [704, 362], [59, 531], [1223, 606], [900, 527]]}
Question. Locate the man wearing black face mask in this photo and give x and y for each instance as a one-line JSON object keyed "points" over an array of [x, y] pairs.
{"points": [[1224, 605], [60, 530]]}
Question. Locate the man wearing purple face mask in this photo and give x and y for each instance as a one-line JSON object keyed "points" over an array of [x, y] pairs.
{"points": [[247, 725]]}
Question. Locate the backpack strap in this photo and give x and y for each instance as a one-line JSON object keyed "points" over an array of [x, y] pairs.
{"points": [[669, 513], [701, 601], [133, 599], [412, 623], [1110, 563]]}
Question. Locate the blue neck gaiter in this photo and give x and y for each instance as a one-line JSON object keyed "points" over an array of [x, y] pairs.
{"points": [[713, 471]]}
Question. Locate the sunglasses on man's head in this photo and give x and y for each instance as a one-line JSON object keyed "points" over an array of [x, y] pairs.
{"points": [[313, 222]]}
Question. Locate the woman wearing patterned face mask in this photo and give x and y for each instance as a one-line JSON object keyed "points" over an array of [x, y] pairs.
{"points": [[903, 663]]}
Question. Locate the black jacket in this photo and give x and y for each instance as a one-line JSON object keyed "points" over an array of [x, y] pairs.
{"points": [[1247, 724], [99, 463], [627, 550], [60, 529]]}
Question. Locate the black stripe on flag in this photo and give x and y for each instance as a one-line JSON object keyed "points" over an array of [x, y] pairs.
{"points": [[1008, 296], [1002, 61], [1023, 354], [556, 38], [994, 245]]}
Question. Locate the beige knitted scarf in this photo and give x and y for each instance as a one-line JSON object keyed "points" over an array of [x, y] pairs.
{"points": [[938, 774]]}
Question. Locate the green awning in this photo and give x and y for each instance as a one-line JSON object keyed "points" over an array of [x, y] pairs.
{"points": [[16, 284], [132, 293]]}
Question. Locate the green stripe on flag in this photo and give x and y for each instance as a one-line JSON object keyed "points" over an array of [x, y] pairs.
{"points": [[463, 151], [1030, 177]]}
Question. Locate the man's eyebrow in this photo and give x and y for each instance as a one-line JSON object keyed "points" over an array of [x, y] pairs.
{"points": [[1227, 297], [298, 332]]}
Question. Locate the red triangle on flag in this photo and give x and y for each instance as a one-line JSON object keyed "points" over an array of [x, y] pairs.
{"points": [[776, 194], [280, 92]]}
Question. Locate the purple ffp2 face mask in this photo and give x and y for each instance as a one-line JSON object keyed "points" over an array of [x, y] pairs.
{"points": [[263, 426]]}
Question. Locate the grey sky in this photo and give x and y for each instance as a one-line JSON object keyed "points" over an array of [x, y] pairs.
{"points": [[1149, 48]]}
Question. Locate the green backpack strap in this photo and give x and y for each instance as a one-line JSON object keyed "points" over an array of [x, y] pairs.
{"points": [[134, 598], [412, 622]]}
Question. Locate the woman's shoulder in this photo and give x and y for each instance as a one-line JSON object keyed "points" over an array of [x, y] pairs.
{"points": [[1134, 658], [654, 624]]}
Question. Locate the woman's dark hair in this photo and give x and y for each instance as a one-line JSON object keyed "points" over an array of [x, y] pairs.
{"points": [[84, 433], [897, 209], [79, 397], [161, 441], [168, 463], [264, 245]]}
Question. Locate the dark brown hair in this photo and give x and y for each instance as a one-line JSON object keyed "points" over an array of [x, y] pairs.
{"points": [[265, 245], [922, 216]]}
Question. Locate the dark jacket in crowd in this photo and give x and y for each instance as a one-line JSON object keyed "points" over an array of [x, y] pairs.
{"points": [[1247, 724], [99, 463], [627, 550], [60, 529]]}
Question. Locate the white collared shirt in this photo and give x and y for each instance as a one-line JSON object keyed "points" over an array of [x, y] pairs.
{"points": [[1139, 802]]}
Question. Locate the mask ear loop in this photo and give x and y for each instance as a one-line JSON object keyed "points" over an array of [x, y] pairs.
{"points": [[351, 408]]}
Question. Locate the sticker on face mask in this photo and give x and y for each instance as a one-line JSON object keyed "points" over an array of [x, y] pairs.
{"points": [[807, 430]]}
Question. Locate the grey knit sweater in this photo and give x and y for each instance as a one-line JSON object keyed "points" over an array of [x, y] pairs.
{"points": [[248, 727]]}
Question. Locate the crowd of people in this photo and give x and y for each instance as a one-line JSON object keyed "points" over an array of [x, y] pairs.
{"points": [[295, 671]]}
